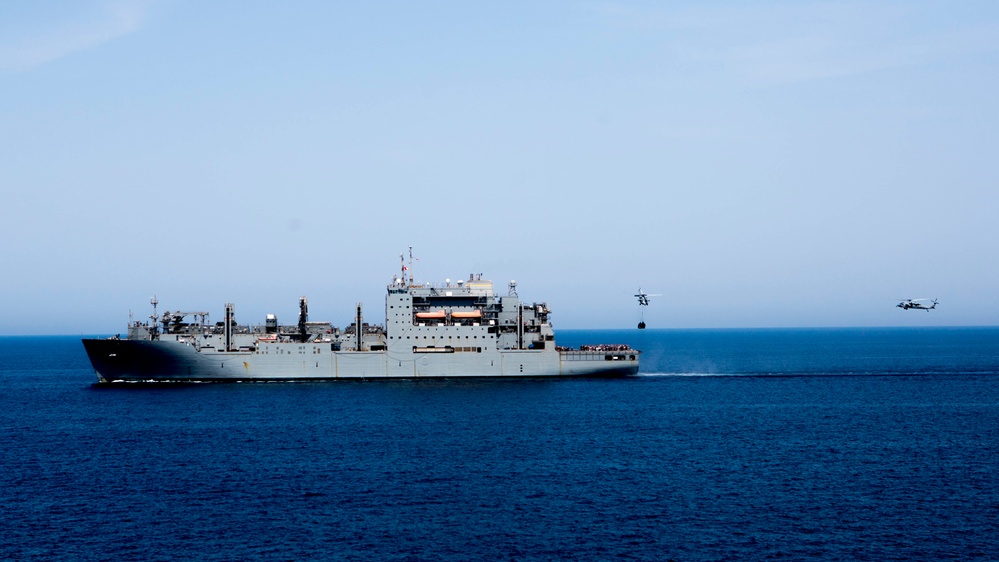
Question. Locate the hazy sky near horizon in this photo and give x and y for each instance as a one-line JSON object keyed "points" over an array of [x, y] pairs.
{"points": [[758, 164]]}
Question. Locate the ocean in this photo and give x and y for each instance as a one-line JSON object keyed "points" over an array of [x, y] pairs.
{"points": [[817, 444]]}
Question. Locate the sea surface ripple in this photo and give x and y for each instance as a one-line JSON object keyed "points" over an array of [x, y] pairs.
{"points": [[766, 444]]}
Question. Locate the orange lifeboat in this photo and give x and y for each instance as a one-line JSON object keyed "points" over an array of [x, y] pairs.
{"points": [[436, 315], [466, 314]]}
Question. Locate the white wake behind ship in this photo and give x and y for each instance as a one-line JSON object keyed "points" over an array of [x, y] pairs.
{"points": [[460, 329]]}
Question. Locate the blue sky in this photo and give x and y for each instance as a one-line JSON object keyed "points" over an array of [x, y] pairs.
{"points": [[758, 164]]}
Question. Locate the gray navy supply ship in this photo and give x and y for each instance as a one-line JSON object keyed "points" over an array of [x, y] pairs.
{"points": [[460, 329]]}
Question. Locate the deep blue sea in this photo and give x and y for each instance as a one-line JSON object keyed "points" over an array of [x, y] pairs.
{"points": [[824, 444]]}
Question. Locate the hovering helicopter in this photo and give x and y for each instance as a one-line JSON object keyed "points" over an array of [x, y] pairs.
{"points": [[643, 300], [914, 303]]}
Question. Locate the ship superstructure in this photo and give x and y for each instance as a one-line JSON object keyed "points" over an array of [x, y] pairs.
{"points": [[453, 329]]}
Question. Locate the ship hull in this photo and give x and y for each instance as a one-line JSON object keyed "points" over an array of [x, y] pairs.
{"points": [[123, 360]]}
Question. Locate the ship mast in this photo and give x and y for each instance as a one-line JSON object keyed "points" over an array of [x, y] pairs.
{"points": [[303, 319], [153, 332], [359, 322], [229, 325]]}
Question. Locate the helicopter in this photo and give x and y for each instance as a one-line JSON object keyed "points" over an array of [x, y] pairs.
{"points": [[643, 300], [906, 304]]}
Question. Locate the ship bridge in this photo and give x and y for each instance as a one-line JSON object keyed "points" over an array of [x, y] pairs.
{"points": [[443, 314]]}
